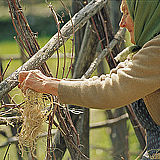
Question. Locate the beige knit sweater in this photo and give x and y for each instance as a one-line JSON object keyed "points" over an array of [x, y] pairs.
{"points": [[132, 80]]}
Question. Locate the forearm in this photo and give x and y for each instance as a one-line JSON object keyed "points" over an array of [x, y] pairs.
{"points": [[138, 78], [51, 86]]}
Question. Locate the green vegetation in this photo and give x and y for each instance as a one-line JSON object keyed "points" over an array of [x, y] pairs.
{"points": [[8, 47]]}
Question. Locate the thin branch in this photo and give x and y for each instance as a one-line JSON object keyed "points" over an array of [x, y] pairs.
{"points": [[47, 51], [72, 50], [9, 120], [118, 37], [7, 151], [24, 33], [11, 105], [19, 37], [5, 70], [109, 122], [59, 34], [15, 139]]}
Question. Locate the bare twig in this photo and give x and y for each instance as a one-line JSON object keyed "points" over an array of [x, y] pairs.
{"points": [[19, 37], [12, 105], [106, 36], [109, 122], [59, 34], [105, 28], [72, 50], [15, 139], [119, 36], [9, 120], [25, 38], [46, 52], [7, 151], [6, 69], [7, 105]]}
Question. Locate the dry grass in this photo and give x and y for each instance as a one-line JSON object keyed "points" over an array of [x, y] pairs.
{"points": [[33, 114]]}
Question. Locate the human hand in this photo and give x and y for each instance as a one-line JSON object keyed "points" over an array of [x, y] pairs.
{"points": [[35, 80]]}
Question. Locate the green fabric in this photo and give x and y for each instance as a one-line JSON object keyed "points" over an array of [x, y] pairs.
{"points": [[146, 18]]}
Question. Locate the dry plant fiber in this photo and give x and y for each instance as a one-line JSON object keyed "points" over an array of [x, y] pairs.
{"points": [[33, 116]]}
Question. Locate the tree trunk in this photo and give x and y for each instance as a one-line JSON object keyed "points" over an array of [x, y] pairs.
{"points": [[115, 14], [85, 58]]}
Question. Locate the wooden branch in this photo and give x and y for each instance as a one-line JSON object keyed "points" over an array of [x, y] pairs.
{"points": [[86, 53], [109, 122], [119, 36], [47, 51], [9, 120], [139, 130], [106, 123], [14, 139]]}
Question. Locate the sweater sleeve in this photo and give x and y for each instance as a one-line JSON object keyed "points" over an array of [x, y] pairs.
{"points": [[136, 79]]}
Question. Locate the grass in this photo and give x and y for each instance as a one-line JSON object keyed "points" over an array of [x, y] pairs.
{"points": [[8, 47], [100, 143], [35, 8]]}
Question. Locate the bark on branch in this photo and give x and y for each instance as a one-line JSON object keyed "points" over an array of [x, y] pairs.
{"points": [[14, 139], [109, 122], [47, 51], [118, 37]]}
